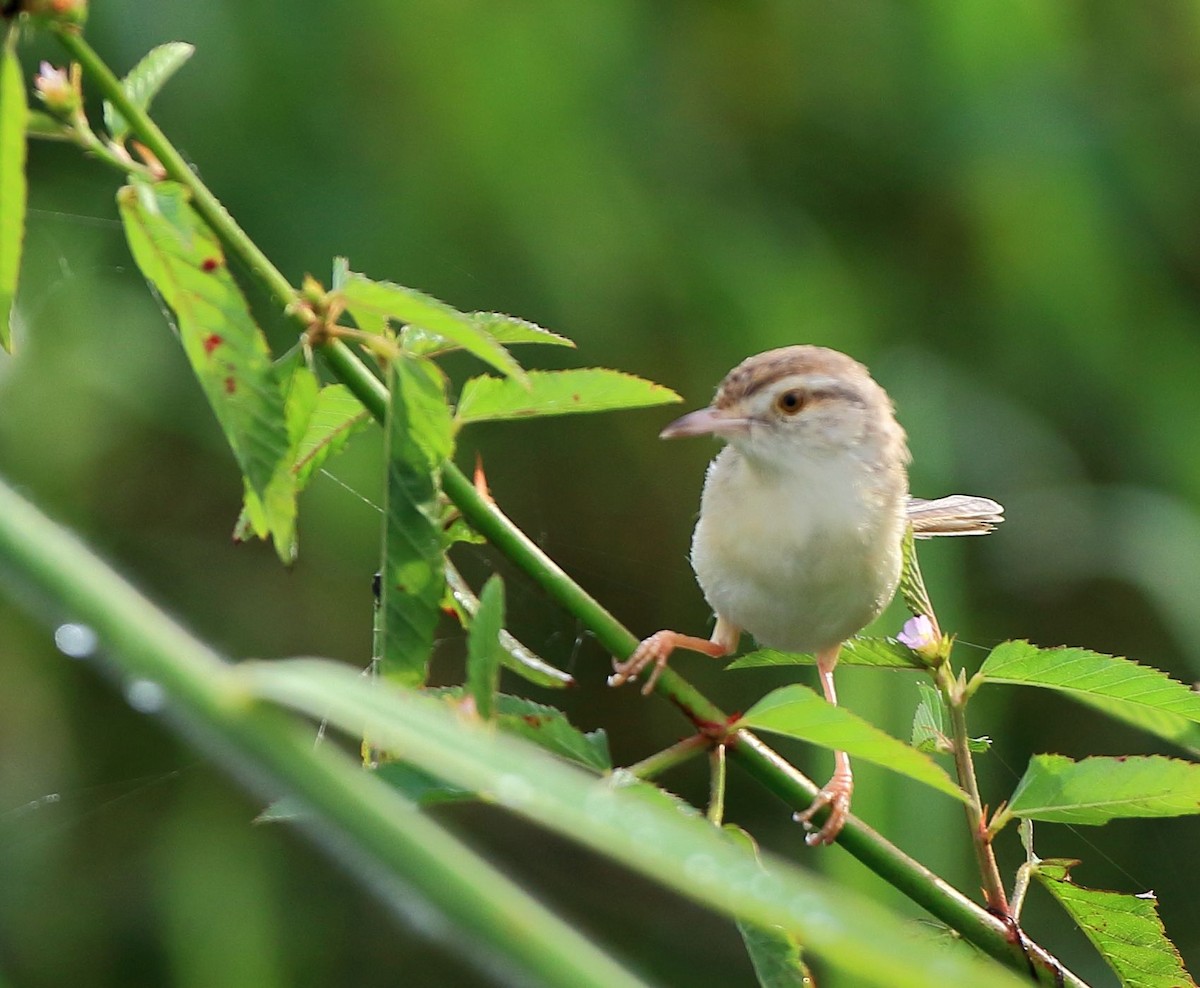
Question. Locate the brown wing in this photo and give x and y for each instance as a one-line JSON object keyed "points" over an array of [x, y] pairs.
{"points": [[956, 514]]}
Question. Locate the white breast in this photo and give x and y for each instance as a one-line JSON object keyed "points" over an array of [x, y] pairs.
{"points": [[801, 559]]}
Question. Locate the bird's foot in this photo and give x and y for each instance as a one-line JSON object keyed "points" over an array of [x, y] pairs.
{"points": [[654, 651], [836, 796]]}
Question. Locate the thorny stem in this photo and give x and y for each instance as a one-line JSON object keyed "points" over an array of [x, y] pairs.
{"points": [[985, 857], [981, 928]]}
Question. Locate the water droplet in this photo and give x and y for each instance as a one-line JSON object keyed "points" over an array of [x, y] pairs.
{"points": [[145, 696], [76, 641]]}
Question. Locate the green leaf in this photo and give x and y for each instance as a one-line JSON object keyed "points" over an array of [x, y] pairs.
{"points": [[182, 258], [1123, 689], [931, 731], [872, 946], [370, 301], [798, 712], [419, 439], [276, 514], [557, 393], [320, 423], [1125, 929], [14, 115], [1095, 790], [516, 656], [144, 81], [336, 417], [510, 329], [773, 951], [504, 329], [483, 647], [884, 653]]}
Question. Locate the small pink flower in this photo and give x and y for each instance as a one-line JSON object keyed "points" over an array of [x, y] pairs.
{"points": [[55, 89], [921, 636]]}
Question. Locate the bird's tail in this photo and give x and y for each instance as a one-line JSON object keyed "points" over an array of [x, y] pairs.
{"points": [[956, 514]]}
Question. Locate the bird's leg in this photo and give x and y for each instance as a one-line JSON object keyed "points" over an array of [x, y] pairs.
{"points": [[836, 793], [656, 649]]}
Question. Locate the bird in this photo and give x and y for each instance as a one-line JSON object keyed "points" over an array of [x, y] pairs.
{"points": [[802, 519]]}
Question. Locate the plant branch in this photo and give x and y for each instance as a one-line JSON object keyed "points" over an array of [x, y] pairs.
{"points": [[981, 841], [921, 885], [175, 166], [662, 761]]}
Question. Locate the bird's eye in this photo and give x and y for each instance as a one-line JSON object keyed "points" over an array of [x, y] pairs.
{"points": [[790, 402]]}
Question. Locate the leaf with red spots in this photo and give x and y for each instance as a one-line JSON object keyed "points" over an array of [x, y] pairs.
{"points": [[228, 352], [562, 392]]}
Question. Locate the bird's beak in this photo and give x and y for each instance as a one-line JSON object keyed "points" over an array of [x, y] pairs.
{"points": [[706, 422]]}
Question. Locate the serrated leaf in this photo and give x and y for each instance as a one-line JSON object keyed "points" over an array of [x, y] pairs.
{"points": [[1095, 790], [370, 301], [931, 730], [320, 423], [557, 393], [144, 81], [14, 117], [483, 647], [798, 712], [884, 653], [1136, 694], [336, 417], [504, 329], [419, 439], [182, 258], [516, 656], [1125, 929], [275, 514]]}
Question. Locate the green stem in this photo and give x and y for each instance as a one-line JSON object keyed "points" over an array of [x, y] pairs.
{"points": [[668, 758], [177, 168], [369, 827], [907, 875], [985, 856], [716, 785]]}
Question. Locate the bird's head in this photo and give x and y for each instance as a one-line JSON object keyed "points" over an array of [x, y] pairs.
{"points": [[796, 404]]}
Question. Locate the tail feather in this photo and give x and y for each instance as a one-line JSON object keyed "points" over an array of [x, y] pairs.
{"points": [[956, 514]]}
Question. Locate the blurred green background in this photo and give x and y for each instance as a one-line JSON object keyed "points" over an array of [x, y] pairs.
{"points": [[994, 205]]}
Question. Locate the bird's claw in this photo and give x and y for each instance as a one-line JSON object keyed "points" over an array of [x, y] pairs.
{"points": [[836, 796], [654, 651]]}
